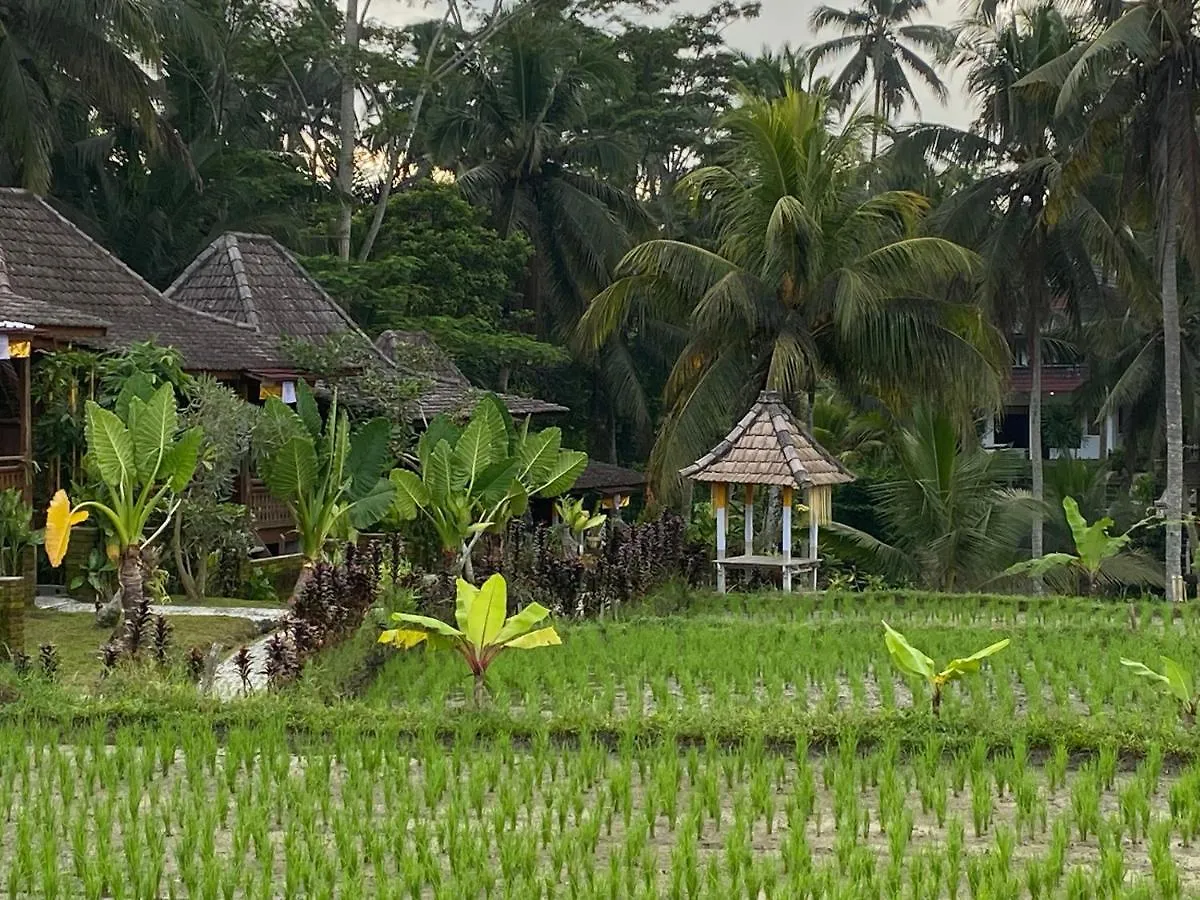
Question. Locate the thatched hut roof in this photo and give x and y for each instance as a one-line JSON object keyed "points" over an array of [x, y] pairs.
{"points": [[768, 446]]}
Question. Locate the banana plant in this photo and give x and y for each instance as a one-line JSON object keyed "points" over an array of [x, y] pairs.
{"points": [[1095, 551], [578, 520], [332, 480], [912, 661], [1176, 679], [483, 632], [143, 462], [473, 480]]}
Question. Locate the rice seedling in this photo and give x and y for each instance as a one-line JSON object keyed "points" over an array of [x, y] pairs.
{"points": [[645, 762]]}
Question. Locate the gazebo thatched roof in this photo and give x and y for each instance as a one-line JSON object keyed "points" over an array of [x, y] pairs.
{"points": [[768, 446]]}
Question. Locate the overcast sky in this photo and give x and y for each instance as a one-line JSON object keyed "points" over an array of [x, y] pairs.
{"points": [[781, 21]]}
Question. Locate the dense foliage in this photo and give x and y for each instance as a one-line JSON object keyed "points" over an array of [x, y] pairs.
{"points": [[607, 205]]}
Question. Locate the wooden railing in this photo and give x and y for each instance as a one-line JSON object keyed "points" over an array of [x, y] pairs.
{"points": [[268, 512], [12, 473]]}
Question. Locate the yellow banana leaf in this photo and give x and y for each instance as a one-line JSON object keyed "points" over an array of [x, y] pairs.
{"points": [[60, 518]]}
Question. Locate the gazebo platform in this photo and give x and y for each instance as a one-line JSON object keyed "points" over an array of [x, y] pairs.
{"points": [[789, 566]]}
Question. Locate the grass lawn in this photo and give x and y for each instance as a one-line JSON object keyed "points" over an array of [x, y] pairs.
{"points": [[78, 639], [235, 602]]}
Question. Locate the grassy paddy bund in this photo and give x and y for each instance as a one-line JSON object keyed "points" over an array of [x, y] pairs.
{"points": [[750, 747]]}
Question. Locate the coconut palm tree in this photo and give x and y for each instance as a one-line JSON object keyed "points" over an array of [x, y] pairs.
{"points": [[770, 73], [1039, 266], [810, 277], [63, 63], [1136, 83], [516, 131], [882, 36], [951, 518]]}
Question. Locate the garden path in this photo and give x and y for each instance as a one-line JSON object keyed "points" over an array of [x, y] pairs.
{"points": [[261, 615], [227, 683]]}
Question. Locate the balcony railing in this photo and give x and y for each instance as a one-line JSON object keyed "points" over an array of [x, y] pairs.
{"points": [[268, 512], [12, 473]]}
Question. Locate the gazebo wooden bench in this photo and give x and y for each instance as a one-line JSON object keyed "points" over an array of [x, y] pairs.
{"points": [[769, 447], [788, 567]]}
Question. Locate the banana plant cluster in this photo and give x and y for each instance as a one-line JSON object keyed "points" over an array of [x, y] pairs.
{"points": [[474, 479], [483, 631], [143, 461], [913, 662], [1096, 553], [332, 480], [578, 520]]}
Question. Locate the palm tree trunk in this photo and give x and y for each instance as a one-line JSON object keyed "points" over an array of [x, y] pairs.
{"points": [[307, 569], [347, 130], [875, 113], [1174, 394], [1034, 343], [131, 577]]}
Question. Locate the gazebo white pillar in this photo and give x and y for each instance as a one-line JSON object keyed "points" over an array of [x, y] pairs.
{"points": [[813, 525], [787, 538], [749, 530], [720, 494]]}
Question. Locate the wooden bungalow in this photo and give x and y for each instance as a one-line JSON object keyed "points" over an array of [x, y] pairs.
{"points": [[769, 447], [253, 282], [60, 288]]}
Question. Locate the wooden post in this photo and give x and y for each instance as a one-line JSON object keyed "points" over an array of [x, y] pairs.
{"points": [[749, 520], [720, 494], [787, 539], [812, 537], [27, 427]]}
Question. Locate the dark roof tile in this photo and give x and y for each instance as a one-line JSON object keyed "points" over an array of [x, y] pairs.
{"points": [[51, 261]]}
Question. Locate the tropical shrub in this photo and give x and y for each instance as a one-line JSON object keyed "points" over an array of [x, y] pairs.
{"points": [[473, 480], [208, 526], [332, 480], [627, 564], [1097, 554], [949, 514], [913, 662], [143, 460], [17, 533], [484, 629]]}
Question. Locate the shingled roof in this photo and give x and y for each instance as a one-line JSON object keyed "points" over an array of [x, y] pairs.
{"points": [[604, 477], [449, 390], [16, 309], [768, 446], [50, 260], [252, 280]]}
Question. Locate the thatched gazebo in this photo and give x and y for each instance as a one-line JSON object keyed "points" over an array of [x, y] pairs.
{"points": [[769, 447]]}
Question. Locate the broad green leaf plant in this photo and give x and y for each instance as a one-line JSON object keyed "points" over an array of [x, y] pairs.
{"points": [[579, 521], [1096, 552], [332, 480], [475, 479], [913, 662], [1176, 679], [143, 461], [483, 631]]}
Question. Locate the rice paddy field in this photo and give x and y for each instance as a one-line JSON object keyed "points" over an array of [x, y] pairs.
{"points": [[744, 747]]}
